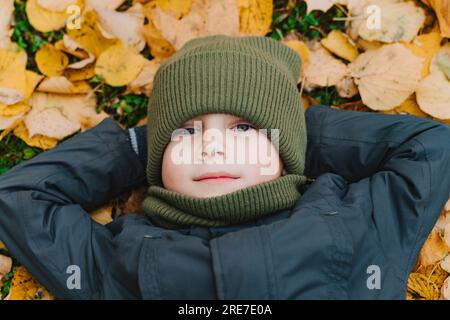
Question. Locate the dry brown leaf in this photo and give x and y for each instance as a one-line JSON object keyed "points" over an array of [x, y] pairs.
{"points": [[159, 47], [323, 69], [13, 83], [441, 61], [13, 110], [386, 77], [51, 61], [56, 5], [38, 140], [119, 65], [205, 18], [365, 45], [223, 18], [32, 80], [7, 121], [177, 8], [433, 95], [126, 26], [399, 21], [302, 50], [255, 16], [177, 32], [104, 4], [102, 215], [89, 37], [58, 115], [339, 44], [346, 87], [5, 266], [25, 287], [50, 122], [63, 85], [447, 235], [45, 20], [445, 263], [445, 290], [80, 74], [421, 285], [442, 10], [6, 17], [433, 250], [144, 81], [71, 47], [410, 106], [7, 57]]}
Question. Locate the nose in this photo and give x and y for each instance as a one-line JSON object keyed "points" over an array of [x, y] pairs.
{"points": [[212, 144], [212, 149]]}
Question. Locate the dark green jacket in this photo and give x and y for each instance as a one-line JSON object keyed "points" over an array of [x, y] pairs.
{"points": [[380, 183]]}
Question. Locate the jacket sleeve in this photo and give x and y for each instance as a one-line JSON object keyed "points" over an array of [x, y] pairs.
{"points": [[44, 203], [405, 161]]}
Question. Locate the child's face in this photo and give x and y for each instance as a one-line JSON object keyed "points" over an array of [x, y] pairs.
{"points": [[218, 145]]}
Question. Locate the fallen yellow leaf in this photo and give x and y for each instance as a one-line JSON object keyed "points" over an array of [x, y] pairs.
{"points": [[6, 17], [399, 20], [56, 5], [7, 57], [433, 95], [80, 74], [125, 26], [13, 83], [89, 36], [410, 106], [51, 61], [339, 44], [177, 8], [63, 85], [442, 10], [25, 287], [102, 215], [13, 110], [144, 81], [44, 20], [386, 76], [302, 50], [39, 141], [323, 70], [159, 46], [119, 65], [255, 16], [425, 46]]}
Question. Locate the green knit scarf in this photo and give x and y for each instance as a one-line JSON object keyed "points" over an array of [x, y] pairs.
{"points": [[175, 210]]}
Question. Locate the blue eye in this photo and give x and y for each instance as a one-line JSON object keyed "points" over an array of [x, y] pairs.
{"points": [[243, 127], [186, 131], [190, 130]]}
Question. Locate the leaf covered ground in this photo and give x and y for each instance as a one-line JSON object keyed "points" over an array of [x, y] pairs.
{"points": [[65, 65]]}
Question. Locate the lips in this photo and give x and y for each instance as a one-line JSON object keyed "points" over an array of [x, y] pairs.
{"points": [[216, 176]]}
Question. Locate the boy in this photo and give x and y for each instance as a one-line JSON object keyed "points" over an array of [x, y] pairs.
{"points": [[254, 233]]}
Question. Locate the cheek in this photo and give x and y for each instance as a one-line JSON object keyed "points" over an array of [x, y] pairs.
{"points": [[172, 173], [264, 163]]}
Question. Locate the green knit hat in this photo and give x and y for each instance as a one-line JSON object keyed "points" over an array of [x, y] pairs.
{"points": [[252, 77]]}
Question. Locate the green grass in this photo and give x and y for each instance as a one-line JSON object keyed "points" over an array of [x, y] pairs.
{"points": [[293, 18], [13, 151]]}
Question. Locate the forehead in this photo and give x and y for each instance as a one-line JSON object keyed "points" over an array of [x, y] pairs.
{"points": [[215, 117]]}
